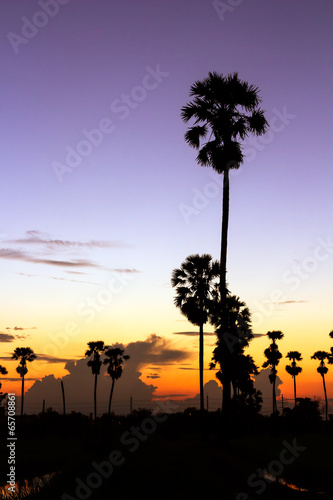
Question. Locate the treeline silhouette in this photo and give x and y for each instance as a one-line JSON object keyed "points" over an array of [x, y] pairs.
{"points": [[244, 396]]}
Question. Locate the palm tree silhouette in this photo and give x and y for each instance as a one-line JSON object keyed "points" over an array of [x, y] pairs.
{"points": [[114, 360], [194, 282], [330, 360], [24, 354], [273, 356], [94, 352], [3, 371], [225, 110], [293, 369], [238, 336], [322, 369]]}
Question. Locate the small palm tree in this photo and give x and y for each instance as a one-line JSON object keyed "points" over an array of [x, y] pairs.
{"points": [[330, 360], [24, 354], [114, 360], [225, 111], [194, 284], [3, 371], [273, 356], [94, 353], [293, 369], [322, 369]]}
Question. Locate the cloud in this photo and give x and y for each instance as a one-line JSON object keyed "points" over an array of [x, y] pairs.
{"points": [[7, 253], [257, 335], [75, 272], [79, 383], [16, 379], [28, 275], [212, 390], [290, 302], [6, 337], [39, 238], [125, 270], [9, 337], [49, 249], [162, 396], [262, 383], [153, 375], [157, 350], [75, 281], [194, 334], [191, 368], [52, 359], [21, 328]]}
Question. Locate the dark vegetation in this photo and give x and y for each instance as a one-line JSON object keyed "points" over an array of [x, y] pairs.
{"points": [[167, 451]]}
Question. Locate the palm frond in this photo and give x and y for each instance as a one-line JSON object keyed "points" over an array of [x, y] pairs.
{"points": [[194, 134]]}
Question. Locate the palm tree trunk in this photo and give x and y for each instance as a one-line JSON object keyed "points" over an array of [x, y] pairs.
{"points": [[223, 293], [326, 403], [95, 398], [22, 396], [295, 389], [274, 397], [63, 397], [201, 366], [111, 393]]}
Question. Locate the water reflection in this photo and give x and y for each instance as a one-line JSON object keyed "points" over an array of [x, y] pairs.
{"points": [[26, 486], [269, 477]]}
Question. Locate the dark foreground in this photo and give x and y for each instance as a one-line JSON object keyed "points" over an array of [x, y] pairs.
{"points": [[168, 455]]}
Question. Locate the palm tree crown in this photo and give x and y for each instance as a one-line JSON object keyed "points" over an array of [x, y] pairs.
{"points": [[330, 359], [321, 356], [114, 359], [194, 284], [24, 354], [293, 369], [94, 352], [3, 370], [225, 109]]}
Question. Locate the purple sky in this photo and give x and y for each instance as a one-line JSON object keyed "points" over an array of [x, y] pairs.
{"points": [[132, 192]]}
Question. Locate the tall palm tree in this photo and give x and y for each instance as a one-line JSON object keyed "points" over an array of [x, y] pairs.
{"points": [[94, 353], [194, 284], [322, 369], [273, 356], [114, 360], [24, 354], [293, 369], [225, 110]]}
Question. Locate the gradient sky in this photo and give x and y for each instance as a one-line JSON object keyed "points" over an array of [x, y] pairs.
{"points": [[87, 251]]}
